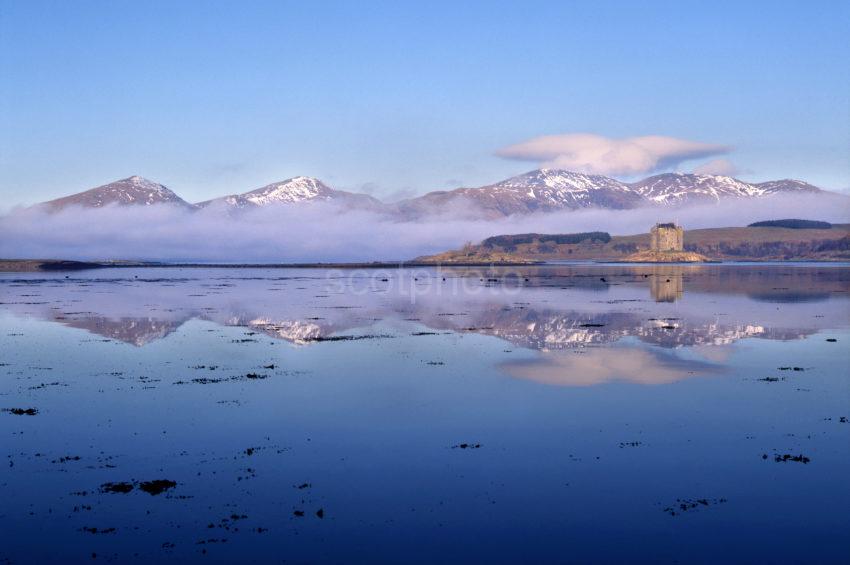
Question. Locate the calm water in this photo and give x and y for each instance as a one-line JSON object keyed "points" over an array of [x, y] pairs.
{"points": [[570, 413]]}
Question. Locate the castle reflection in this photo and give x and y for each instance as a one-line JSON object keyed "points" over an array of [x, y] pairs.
{"points": [[667, 287]]}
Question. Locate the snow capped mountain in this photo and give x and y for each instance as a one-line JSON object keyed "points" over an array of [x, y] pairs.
{"points": [[679, 188], [294, 191], [133, 190], [542, 190], [786, 185], [555, 188]]}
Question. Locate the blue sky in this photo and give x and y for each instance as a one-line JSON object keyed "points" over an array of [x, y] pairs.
{"points": [[400, 98]]}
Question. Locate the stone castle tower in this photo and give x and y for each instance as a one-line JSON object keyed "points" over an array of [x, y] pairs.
{"points": [[666, 237]]}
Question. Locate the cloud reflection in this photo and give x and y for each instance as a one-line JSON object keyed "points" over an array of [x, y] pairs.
{"points": [[595, 366]]}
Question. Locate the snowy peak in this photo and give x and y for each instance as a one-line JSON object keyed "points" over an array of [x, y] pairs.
{"points": [[294, 191], [557, 189], [558, 181], [133, 191], [535, 191], [680, 188]]}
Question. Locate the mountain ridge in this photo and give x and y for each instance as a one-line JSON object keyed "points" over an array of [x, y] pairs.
{"points": [[540, 190]]}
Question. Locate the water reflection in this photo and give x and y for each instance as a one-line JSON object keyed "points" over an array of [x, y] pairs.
{"points": [[597, 366], [541, 308], [276, 442], [667, 287]]}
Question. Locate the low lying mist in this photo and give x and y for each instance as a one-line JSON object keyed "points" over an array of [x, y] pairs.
{"points": [[323, 232]]}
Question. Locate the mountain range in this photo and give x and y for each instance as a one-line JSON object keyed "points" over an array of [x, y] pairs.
{"points": [[541, 190]]}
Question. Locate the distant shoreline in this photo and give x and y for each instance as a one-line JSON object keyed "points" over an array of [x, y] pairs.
{"points": [[56, 265], [50, 265]]}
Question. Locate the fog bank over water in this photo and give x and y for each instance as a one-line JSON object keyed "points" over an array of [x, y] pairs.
{"points": [[325, 232]]}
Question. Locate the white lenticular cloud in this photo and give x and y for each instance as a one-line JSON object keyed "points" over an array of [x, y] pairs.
{"points": [[722, 167], [596, 154]]}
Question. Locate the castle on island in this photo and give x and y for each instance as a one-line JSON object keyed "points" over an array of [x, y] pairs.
{"points": [[666, 237], [666, 245]]}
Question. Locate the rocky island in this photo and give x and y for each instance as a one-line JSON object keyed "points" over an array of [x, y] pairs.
{"points": [[666, 245], [773, 240]]}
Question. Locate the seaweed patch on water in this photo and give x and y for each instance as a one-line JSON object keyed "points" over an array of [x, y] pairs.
{"points": [[117, 488], [45, 385], [321, 338], [691, 505], [630, 444], [157, 486], [213, 380], [21, 411], [92, 530], [153, 487], [784, 458]]}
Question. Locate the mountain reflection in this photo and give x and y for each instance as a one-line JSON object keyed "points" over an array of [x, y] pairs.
{"points": [[539, 308]]}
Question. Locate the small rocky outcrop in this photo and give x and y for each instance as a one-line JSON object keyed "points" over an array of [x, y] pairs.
{"points": [[649, 256]]}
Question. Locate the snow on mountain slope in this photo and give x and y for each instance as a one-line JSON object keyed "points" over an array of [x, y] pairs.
{"points": [[787, 185], [133, 190], [293, 191], [539, 190], [679, 188]]}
